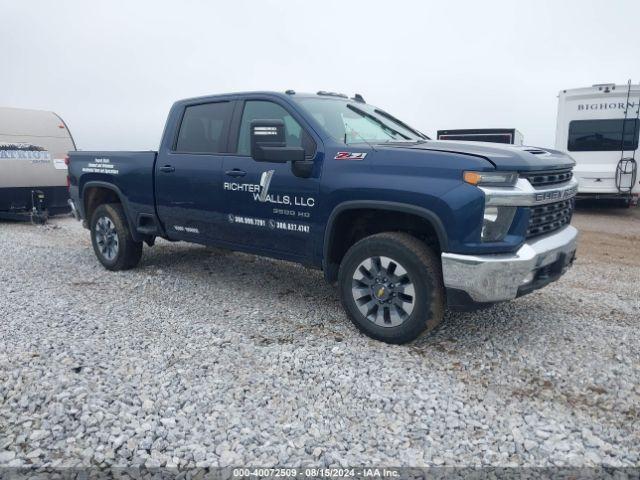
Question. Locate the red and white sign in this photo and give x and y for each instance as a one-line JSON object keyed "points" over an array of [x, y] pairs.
{"points": [[350, 156]]}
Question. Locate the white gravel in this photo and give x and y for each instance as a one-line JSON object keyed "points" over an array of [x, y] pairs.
{"points": [[205, 358]]}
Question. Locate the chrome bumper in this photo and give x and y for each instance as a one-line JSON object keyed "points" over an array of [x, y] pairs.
{"points": [[498, 277]]}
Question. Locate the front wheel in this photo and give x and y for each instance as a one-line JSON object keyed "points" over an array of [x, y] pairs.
{"points": [[112, 241], [391, 287]]}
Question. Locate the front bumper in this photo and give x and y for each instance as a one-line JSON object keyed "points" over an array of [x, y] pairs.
{"points": [[499, 277]]}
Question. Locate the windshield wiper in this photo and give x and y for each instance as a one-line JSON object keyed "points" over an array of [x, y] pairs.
{"points": [[376, 120], [401, 123]]}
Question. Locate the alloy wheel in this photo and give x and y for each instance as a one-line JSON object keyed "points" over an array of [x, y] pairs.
{"points": [[383, 291], [107, 238]]}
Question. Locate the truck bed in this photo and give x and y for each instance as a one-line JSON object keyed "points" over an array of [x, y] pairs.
{"points": [[130, 174]]}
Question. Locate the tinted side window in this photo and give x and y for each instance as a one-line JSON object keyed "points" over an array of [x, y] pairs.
{"points": [[264, 110], [603, 135], [204, 128]]}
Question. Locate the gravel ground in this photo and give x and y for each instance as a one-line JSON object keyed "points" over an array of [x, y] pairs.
{"points": [[203, 358]]}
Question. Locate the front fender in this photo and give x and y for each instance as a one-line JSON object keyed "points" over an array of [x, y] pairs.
{"points": [[330, 270]]}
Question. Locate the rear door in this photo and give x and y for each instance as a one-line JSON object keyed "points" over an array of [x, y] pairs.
{"points": [[266, 206], [189, 174]]}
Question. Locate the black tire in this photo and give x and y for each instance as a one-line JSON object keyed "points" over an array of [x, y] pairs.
{"points": [[424, 272], [624, 203], [127, 253]]}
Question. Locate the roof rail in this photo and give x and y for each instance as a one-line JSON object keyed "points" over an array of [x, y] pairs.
{"points": [[331, 94]]}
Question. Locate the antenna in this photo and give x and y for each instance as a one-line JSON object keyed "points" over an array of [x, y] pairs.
{"points": [[358, 134]]}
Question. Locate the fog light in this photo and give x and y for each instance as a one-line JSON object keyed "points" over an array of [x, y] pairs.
{"points": [[496, 223], [528, 279]]}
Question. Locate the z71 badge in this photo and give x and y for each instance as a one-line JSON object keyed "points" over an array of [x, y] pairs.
{"points": [[350, 156]]}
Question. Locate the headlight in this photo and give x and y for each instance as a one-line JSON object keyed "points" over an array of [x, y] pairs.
{"points": [[494, 179], [496, 222]]}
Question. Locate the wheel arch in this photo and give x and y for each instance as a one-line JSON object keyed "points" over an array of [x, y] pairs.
{"points": [[96, 193], [332, 252]]}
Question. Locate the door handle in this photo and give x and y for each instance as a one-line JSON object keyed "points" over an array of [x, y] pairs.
{"points": [[236, 172], [167, 169]]}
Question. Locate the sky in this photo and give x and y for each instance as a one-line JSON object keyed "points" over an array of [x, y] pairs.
{"points": [[112, 69]]}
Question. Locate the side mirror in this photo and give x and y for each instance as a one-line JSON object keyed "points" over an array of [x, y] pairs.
{"points": [[269, 143]]}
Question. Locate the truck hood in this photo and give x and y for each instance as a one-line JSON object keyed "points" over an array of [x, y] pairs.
{"points": [[503, 157]]}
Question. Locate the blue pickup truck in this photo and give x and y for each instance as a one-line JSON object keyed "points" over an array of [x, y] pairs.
{"points": [[407, 226]]}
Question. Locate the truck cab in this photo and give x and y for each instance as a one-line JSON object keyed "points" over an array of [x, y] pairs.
{"points": [[405, 225]]}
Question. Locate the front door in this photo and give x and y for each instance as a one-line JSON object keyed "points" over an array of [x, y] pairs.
{"points": [[189, 176], [267, 207]]}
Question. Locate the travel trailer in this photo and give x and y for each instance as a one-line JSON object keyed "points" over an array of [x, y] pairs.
{"points": [[493, 135], [598, 126], [33, 171]]}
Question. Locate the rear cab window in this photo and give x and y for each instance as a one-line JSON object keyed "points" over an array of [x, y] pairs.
{"points": [[204, 128]]}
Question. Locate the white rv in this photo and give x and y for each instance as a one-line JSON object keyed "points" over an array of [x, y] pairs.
{"points": [[33, 172], [599, 126]]}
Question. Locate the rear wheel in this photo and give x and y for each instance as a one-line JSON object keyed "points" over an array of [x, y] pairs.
{"points": [[391, 287], [112, 241]]}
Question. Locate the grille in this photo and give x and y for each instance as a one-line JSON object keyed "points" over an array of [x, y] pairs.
{"points": [[551, 177], [550, 217]]}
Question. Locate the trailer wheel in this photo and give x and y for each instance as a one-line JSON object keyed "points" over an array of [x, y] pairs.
{"points": [[391, 287], [112, 241]]}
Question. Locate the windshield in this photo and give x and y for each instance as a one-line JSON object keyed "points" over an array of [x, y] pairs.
{"points": [[358, 122]]}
